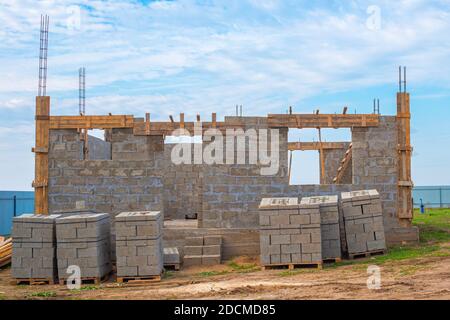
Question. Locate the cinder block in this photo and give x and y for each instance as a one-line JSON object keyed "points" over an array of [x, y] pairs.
{"points": [[193, 250], [280, 239], [212, 240], [211, 250], [290, 248], [194, 241], [209, 260], [171, 256], [192, 260]]}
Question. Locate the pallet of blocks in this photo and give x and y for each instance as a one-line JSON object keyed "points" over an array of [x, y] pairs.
{"points": [[290, 234], [84, 240], [363, 220], [329, 224], [139, 248], [34, 249], [5, 251]]}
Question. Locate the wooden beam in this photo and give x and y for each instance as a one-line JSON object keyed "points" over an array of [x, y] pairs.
{"points": [[40, 182], [214, 120], [300, 121], [147, 123], [404, 199], [305, 146], [181, 120], [91, 122]]}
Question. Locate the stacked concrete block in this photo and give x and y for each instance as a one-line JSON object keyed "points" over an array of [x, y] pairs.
{"points": [[329, 220], [289, 232], [363, 219], [172, 257], [34, 247], [139, 248], [84, 240], [206, 250]]}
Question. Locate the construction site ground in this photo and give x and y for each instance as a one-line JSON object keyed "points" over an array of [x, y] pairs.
{"points": [[419, 271]]}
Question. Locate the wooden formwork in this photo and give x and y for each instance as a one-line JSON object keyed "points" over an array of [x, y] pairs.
{"points": [[404, 204]]}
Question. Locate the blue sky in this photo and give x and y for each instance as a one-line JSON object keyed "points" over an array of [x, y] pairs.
{"points": [[167, 57]]}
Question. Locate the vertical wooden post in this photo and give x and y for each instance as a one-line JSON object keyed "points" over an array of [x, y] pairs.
{"points": [[404, 204], [40, 182]]}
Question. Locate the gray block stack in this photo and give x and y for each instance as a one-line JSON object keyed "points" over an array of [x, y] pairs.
{"points": [[172, 257], [34, 247], [363, 219], [84, 240], [139, 248], [329, 220], [289, 232], [203, 250]]}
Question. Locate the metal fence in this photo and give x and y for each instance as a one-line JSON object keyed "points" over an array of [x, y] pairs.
{"points": [[432, 197], [14, 204]]}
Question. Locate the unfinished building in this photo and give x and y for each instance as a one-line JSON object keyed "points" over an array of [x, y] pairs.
{"points": [[132, 170]]}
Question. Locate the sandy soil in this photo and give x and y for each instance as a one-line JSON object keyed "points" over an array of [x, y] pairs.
{"points": [[425, 278]]}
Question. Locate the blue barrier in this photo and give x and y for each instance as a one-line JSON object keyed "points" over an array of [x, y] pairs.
{"points": [[14, 203]]}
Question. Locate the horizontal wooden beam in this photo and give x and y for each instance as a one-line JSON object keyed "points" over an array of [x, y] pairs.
{"points": [[322, 120], [91, 122], [168, 128], [305, 146]]}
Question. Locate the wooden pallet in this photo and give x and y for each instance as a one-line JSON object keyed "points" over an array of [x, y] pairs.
{"points": [[139, 280], [358, 255], [292, 266], [33, 282], [172, 266], [332, 260], [88, 280]]}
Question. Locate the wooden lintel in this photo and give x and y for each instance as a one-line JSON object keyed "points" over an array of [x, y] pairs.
{"points": [[91, 122], [305, 146], [322, 120]]}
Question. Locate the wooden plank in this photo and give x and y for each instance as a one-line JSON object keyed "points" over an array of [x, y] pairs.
{"points": [[404, 202], [168, 128], [322, 120], [91, 122], [306, 146], [41, 158]]}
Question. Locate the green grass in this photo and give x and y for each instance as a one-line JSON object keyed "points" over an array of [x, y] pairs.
{"points": [[212, 273], [243, 268], [434, 225], [44, 294], [85, 288]]}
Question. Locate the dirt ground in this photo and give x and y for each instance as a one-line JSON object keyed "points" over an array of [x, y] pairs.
{"points": [[423, 278]]}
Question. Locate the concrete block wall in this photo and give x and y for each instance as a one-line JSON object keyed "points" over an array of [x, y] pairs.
{"points": [[139, 248], [84, 240], [34, 247], [142, 177]]}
